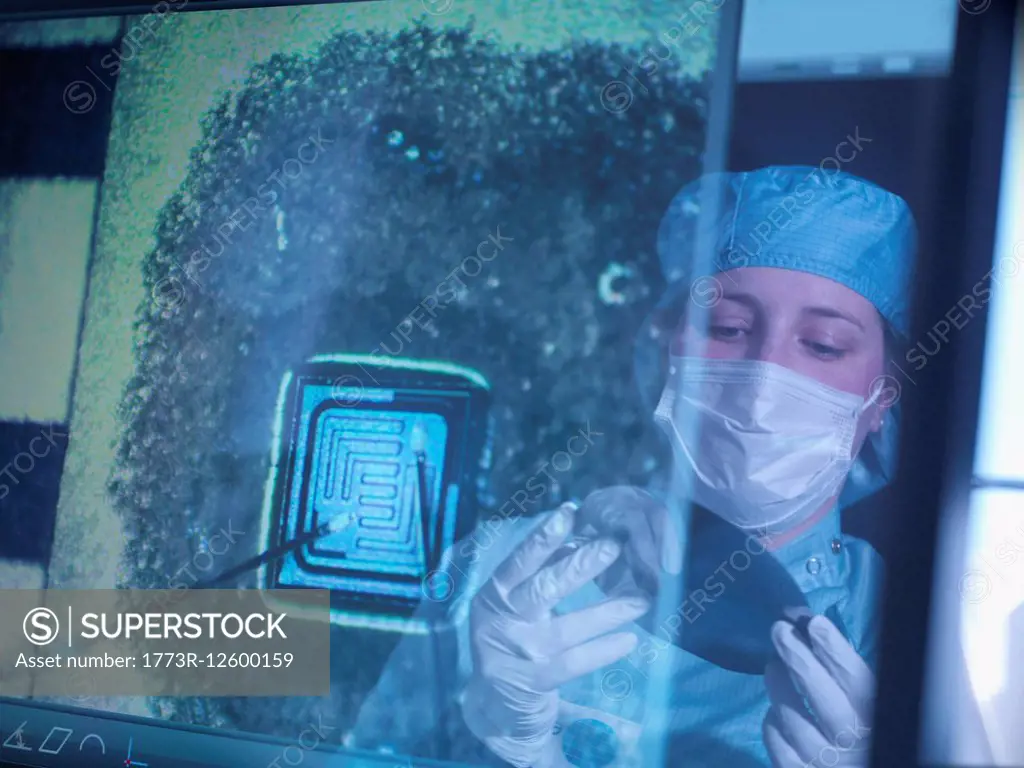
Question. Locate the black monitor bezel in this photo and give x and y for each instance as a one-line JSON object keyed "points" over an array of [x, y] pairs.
{"points": [[941, 417], [938, 444]]}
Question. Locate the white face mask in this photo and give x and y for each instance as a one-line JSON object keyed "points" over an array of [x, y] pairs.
{"points": [[767, 446]]}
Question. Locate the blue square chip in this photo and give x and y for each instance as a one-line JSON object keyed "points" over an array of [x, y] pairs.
{"points": [[364, 469], [415, 433]]}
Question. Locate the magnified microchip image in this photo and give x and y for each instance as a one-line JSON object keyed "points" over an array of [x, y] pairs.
{"points": [[398, 458], [455, 207]]}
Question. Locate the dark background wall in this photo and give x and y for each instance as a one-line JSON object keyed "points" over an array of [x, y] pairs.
{"points": [[802, 122]]}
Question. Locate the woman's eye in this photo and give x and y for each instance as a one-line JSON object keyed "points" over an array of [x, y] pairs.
{"points": [[726, 332], [824, 351]]}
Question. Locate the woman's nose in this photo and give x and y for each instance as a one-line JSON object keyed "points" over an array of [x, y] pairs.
{"points": [[773, 349]]}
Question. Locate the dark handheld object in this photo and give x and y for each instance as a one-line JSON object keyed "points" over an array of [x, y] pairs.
{"points": [[269, 555], [800, 618], [411, 406], [424, 505], [733, 591], [645, 580], [426, 515]]}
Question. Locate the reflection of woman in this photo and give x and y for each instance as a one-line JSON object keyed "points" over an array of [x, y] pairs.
{"points": [[779, 362]]}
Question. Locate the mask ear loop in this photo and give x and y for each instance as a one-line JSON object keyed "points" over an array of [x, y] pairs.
{"points": [[851, 431], [877, 388]]}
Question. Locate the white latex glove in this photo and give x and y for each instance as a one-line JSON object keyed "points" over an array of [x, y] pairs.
{"points": [[652, 543], [523, 651], [839, 688]]}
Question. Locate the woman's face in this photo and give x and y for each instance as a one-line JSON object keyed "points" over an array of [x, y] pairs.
{"points": [[806, 323]]}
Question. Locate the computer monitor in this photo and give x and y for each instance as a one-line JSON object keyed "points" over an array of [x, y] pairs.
{"points": [[787, 40], [265, 269], [344, 293]]}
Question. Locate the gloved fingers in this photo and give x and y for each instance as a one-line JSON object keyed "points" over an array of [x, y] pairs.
{"points": [[584, 659], [618, 580], [802, 735], [844, 664], [780, 751], [530, 556], [505, 659], [791, 716], [620, 509], [625, 509], [828, 702], [578, 627], [548, 587], [656, 549], [781, 691]]}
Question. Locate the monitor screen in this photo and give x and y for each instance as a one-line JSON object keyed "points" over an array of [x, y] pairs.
{"points": [[791, 40], [383, 263], [445, 311]]}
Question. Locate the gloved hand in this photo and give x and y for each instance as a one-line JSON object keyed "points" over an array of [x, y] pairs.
{"points": [[650, 540], [522, 651], [838, 686]]}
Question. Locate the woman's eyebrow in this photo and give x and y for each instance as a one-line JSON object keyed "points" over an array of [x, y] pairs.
{"points": [[831, 312], [746, 299]]}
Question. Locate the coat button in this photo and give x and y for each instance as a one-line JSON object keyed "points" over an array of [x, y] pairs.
{"points": [[837, 546], [813, 566]]}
